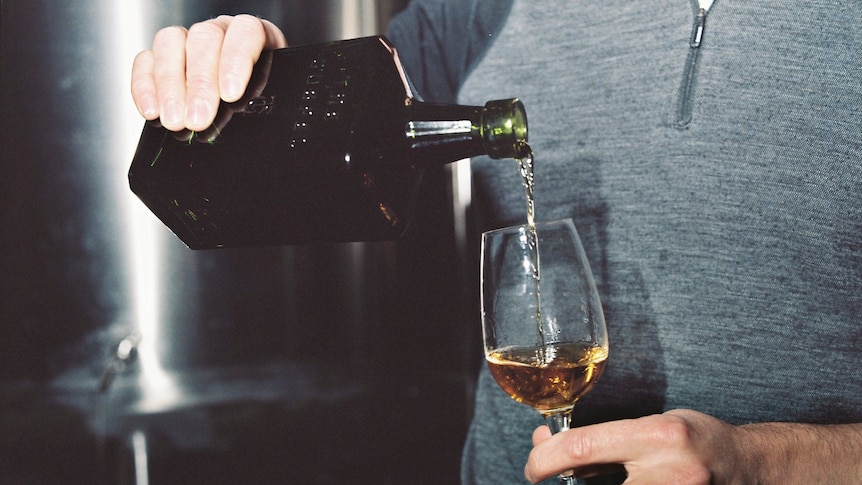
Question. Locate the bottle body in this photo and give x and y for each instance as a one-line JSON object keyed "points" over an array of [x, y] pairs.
{"points": [[317, 151]]}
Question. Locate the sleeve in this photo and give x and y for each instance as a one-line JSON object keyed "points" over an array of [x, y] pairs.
{"points": [[440, 41]]}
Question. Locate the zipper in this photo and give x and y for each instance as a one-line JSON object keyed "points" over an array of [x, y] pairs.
{"points": [[685, 101]]}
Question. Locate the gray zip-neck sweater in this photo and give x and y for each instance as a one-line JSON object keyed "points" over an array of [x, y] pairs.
{"points": [[718, 191]]}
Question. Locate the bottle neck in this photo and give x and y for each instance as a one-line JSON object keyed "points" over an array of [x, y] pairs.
{"points": [[443, 133]]}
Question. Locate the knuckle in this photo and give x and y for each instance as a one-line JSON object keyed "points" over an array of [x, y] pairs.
{"points": [[206, 32], [200, 84], [169, 34], [673, 431], [249, 28], [579, 448], [143, 57], [247, 21], [141, 84], [168, 80], [169, 88], [224, 19], [142, 66]]}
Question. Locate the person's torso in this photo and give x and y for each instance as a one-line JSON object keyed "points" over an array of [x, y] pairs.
{"points": [[728, 249]]}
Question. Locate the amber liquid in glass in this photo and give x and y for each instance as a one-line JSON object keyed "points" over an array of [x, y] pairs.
{"points": [[549, 379]]}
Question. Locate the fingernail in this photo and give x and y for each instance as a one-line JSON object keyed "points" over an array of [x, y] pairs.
{"points": [[149, 107], [198, 113], [172, 113], [231, 88]]}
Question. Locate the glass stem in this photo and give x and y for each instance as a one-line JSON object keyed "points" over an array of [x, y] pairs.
{"points": [[560, 422]]}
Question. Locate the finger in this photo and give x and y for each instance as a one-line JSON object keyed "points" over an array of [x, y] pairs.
{"points": [[169, 75], [203, 49], [143, 85], [541, 434], [255, 88], [245, 38], [582, 448], [274, 36]]}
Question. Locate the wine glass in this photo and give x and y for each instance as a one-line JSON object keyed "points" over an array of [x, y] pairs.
{"points": [[544, 332]]}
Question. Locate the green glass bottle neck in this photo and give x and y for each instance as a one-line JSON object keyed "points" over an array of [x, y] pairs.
{"points": [[440, 133], [504, 128]]}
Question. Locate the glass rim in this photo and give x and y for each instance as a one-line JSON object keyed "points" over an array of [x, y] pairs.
{"points": [[518, 227]]}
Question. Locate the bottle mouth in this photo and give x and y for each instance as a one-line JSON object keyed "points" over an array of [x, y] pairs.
{"points": [[504, 128]]}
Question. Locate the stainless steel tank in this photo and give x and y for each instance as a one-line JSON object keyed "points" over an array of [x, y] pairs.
{"points": [[127, 358]]}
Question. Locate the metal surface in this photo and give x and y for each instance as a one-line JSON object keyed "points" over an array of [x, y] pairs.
{"points": [[126, 358]]}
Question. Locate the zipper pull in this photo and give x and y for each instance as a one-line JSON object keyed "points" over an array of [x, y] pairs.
{"points": [[685, 101], [697, 28], [703, 7]]}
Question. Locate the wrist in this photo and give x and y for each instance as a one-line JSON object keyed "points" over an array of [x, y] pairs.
{"points": [[791, 453]]}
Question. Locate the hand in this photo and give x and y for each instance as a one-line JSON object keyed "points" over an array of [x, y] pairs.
{"points": [[687, 447], [187, 72], [680, 447]]}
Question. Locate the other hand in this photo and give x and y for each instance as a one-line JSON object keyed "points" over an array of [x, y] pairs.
{"points": [[679, 447], [185, 75]]}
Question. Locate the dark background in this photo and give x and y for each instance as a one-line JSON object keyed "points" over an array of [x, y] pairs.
{"points": [[348, 363]]}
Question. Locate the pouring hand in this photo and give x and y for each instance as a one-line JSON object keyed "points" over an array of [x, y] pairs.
{"points": [[181, 80]]}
